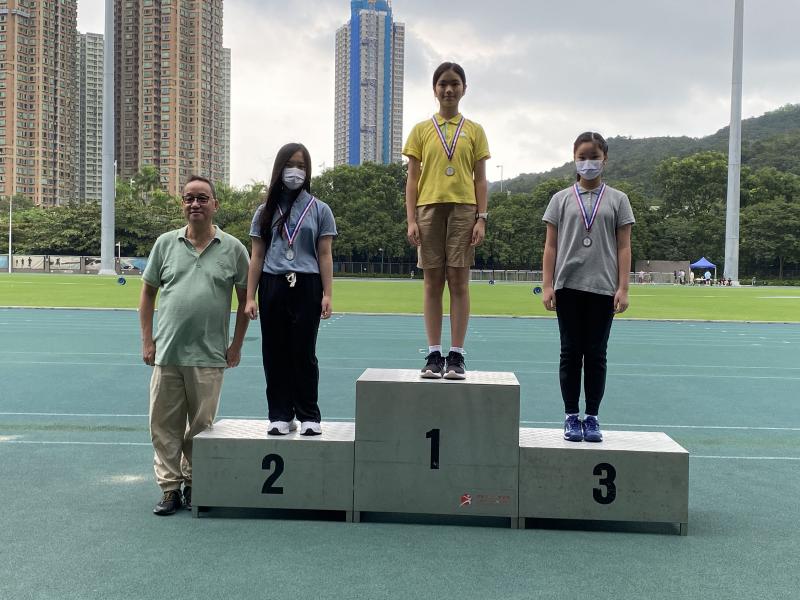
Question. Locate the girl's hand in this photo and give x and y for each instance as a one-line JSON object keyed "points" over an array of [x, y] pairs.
{"points": [[251, 309], [549, 298], [413, 234], [620, 301], [327, 307], [478, 232]]}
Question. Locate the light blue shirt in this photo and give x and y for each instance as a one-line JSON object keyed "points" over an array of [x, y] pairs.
{"points": [[318, 222]]}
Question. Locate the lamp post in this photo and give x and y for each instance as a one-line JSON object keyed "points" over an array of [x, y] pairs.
{"points": [[501, 177], [10, 204], [109, 165], [381, 251]]}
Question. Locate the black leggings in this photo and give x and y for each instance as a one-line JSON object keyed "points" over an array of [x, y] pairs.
{"points": [[289, 324], [584, 322]]}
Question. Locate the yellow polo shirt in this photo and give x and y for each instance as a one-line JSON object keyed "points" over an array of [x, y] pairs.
{"points": [[424, 144]]}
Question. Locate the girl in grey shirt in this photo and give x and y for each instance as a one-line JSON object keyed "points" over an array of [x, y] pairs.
{"points": [[587, 258]]}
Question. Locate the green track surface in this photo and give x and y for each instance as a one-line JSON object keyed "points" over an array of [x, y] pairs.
{"points": [[405, 297], [77, 483]]}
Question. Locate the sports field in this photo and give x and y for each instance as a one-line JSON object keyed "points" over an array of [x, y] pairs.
{"points": [[77, 483], [774, 304]]}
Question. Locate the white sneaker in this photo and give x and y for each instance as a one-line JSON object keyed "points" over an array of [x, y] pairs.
{"points": [[281, 427], [310, 428]]}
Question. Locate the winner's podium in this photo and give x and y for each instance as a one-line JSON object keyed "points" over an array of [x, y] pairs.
{"points": [[237, 465], [630, 476], [437, 446]]}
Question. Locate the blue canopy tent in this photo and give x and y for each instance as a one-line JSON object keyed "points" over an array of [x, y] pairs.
{"points": [[704, 263]]}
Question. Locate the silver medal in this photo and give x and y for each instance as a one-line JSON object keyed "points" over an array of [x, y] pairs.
{"points": [[289, 254], [587, 241], [449, 171]]}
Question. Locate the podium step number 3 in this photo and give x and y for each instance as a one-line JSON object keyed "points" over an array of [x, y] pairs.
{"points": [[630, 476]]}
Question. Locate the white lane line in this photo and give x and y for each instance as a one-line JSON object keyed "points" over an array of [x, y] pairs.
{"points": [[790, 458], [351, 419], [722, 427], [45, 414], [52, 443], [330, 368]]}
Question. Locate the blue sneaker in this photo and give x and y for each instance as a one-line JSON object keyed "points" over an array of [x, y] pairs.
{"points": [[573, 432], [591, 429]]}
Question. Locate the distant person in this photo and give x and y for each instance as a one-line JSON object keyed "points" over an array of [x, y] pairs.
{"points": [[707, 277], [196, 267], [587, 258], [291, 269], [691, 277], [446, 208]]}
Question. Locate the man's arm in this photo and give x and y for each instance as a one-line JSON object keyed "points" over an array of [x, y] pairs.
{"points": [[234, 354], [147, 306]]}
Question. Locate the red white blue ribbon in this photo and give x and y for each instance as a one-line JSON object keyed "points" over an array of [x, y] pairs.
{"points": [[450, 150], [290, 236], [587, 220]]}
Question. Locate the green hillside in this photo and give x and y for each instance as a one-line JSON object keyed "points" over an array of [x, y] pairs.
{"points": [[770, 140]]}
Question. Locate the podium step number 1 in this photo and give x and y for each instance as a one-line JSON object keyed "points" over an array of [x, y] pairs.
{"points": [[437, 446]]}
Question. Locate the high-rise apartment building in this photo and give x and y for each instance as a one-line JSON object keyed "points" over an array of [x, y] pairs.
{"points": [[89, 163], [226, 115], [38, 96], [370, 52], [169, 89]]}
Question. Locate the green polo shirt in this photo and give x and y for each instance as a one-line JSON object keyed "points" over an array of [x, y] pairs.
{"points": [[194, 307]]}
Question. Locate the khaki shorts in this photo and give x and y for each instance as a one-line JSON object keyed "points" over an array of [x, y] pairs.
{"points": [[445, 233]]}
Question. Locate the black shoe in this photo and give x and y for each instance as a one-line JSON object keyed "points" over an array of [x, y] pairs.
{"points": [[170, 503], [187, 496], [434, 366], [455, 366]]}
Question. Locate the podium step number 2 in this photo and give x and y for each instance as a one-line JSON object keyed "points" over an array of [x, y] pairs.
{"points": [[237, 465]]}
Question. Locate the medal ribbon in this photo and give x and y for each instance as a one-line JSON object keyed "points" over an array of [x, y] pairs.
{"points": [[451, 149], [587, 221], [291, 235]]}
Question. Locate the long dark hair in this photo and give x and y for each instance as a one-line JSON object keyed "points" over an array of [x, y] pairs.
{"points": [[277, 189], [595, 138], [447, 66]]}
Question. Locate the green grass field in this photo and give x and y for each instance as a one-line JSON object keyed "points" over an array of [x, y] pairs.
{"points": [[386, 296]]}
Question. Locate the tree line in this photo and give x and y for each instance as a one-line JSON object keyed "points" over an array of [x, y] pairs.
{"points": [[683, 218]]}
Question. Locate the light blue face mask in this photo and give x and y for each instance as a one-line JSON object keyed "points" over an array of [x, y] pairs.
{"points": [[589, 169]]}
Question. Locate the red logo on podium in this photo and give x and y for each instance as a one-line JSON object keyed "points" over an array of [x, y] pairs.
{"points": [[466, 500]]}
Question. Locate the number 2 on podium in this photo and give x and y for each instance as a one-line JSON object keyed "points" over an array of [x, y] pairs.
{"points": [[433, 436], [266, 464]]}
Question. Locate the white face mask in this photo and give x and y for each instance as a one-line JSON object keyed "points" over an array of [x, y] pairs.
{"points": [[589, 169], [293, 178]]}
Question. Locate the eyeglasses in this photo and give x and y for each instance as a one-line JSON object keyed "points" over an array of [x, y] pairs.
{"points": [[188, 199]]}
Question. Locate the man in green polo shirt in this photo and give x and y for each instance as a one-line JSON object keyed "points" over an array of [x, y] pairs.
{"points": [[196, 267]]}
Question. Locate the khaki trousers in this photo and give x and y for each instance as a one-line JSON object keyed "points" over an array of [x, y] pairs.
{"points": [[183, 402]]}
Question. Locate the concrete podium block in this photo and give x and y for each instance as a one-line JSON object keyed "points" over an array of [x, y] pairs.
{"points": [[437, 446], [236, 464], [630, 476]]}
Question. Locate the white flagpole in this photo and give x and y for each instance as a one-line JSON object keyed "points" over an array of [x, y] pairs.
{"points": [[735, 152]]}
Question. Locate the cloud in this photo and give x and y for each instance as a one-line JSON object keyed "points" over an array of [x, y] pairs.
{"points": [[539, 72]]}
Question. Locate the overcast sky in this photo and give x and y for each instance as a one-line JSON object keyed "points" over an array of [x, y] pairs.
{"points": [[538, 71]]}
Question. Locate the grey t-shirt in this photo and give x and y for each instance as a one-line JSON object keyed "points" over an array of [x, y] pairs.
{"points": [[594, 268], [318, 222]]}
